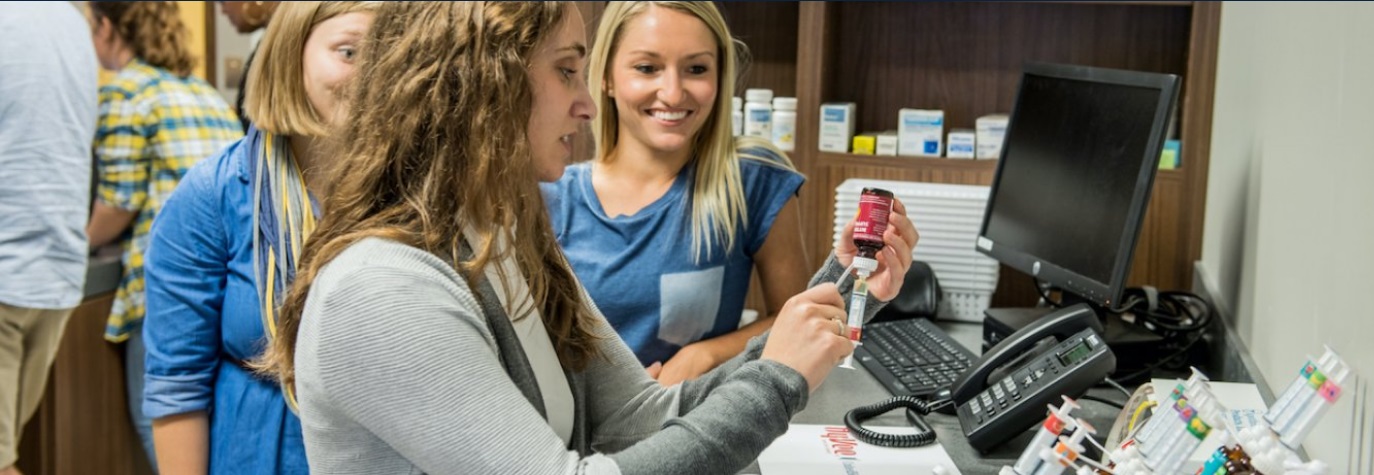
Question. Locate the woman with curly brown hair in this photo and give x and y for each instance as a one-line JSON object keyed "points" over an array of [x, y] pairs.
{"points": [[435, 326], [155, 121]]}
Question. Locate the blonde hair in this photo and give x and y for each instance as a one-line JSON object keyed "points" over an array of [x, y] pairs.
{"points": [[436, 142], [276, 99], [153, 30], [718, 194]]}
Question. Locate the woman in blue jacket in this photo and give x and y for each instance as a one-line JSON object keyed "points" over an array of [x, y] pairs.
{"points": [[225, 246]]}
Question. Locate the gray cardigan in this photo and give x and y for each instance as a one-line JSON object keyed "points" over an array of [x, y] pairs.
{"points": [[402, 369]]}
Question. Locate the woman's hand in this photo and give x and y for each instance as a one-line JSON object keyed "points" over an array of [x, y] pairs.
{"points": [[895, 258], [809, 334], [690, 362]]}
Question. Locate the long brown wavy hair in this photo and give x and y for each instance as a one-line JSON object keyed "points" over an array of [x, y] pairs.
{"points": [[153, 30], [436, 141]]}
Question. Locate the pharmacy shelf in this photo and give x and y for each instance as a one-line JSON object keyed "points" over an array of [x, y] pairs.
{"points": [[1109, 2], [928, 163], [889, 161]]}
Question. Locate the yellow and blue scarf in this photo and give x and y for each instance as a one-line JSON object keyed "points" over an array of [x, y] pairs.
{"points": [[283, 217]]}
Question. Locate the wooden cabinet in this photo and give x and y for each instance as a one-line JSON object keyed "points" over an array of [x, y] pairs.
{"points": [[966, 58], [82, 426]]}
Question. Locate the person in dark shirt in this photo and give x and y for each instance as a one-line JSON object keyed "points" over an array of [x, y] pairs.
{"points": [[248, 18]]}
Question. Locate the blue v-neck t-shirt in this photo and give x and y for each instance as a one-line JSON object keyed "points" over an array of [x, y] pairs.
{"points": [[639, 269]]}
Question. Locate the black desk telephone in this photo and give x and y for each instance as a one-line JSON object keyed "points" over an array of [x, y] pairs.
{"points": [[1006, 390]]}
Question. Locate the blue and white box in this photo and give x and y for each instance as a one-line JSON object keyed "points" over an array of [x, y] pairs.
{"points": [[962, 143], [837, 126], [920, 132]]}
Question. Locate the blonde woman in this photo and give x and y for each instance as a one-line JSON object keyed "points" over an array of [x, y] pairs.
{"points": [[156, 121], [667, 225], [435, 326], [224, 252]]}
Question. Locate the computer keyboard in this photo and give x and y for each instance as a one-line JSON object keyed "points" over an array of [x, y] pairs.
{"points": [[912, 357]]}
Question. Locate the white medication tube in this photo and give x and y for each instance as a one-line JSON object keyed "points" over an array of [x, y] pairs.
{"points": [[1168, 407], [1197, 430], [1054, 426], [1294, 388], [1154, 454], [1189, 418], [1315, 407], [1177, 423], [1306, 394], [1184, 390], [1196, 384], [1066, 451]]}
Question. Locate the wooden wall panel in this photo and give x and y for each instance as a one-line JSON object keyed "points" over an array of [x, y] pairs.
{"points": [[1159, 259], [769, 30], [966, 57]]}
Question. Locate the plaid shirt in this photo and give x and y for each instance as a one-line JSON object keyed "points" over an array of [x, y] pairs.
{"points": [[153, 126]]}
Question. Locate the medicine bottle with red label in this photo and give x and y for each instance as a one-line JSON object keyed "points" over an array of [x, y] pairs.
{"points": [[875, 205]]}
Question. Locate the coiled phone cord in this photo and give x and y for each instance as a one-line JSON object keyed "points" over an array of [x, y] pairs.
{"points": [[924, 434]]}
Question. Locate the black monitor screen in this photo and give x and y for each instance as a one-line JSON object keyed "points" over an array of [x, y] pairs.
{"points": [[1077, 166]]}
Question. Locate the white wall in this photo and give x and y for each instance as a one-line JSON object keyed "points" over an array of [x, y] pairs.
{"points": [[1289, 234], [230, 47]]}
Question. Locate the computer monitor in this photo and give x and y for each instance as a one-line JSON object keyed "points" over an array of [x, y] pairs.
{"points": [[1077, 165]]}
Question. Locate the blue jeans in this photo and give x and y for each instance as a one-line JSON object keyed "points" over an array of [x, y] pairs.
{"points": [[133, 382]]}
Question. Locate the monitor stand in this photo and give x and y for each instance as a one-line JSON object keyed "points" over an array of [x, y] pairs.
{"points": [[1135, 347]]}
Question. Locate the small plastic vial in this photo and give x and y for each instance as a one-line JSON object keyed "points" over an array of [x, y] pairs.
{"points": [[785, 123], [758, 113], [737, 116]]}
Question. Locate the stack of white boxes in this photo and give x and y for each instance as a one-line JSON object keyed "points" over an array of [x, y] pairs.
{"points": [[948, 218]]}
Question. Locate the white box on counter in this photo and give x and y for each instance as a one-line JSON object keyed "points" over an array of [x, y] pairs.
{"points": [[991, 131]]}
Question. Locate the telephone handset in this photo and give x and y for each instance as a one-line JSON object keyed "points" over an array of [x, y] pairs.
{"points": [[1007, 389]]}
